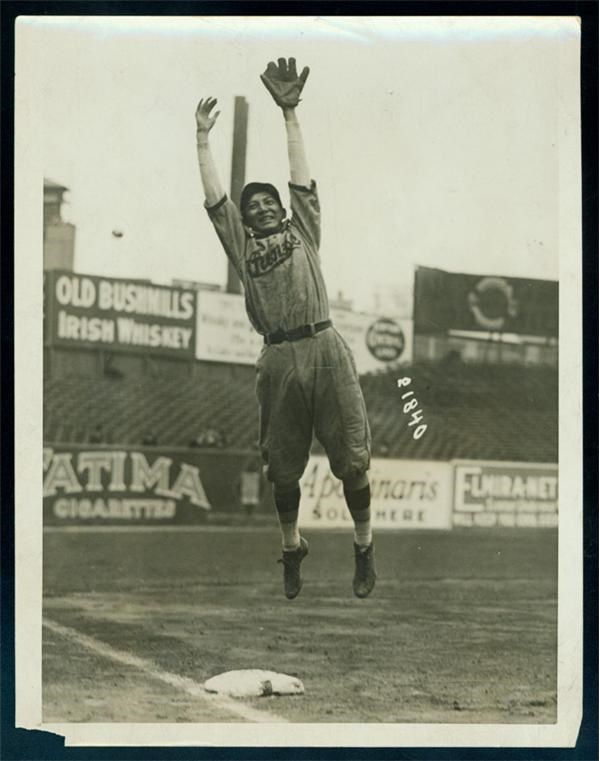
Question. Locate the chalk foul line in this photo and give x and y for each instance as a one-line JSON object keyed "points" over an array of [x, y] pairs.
{"points": [[154, 672]]}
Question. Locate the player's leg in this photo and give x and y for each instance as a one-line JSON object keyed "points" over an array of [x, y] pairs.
{"points": [[285, 439], [357, 493], [287, 504], [295, 547], [341, 425]]}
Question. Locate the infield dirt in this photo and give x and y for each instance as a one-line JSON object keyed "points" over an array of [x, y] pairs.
{"points": [[460, 628]]}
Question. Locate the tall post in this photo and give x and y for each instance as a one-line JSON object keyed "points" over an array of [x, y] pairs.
{"points": [[238, 172]]}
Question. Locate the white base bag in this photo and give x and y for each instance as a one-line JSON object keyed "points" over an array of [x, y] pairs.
{"points": [[250, 683]]}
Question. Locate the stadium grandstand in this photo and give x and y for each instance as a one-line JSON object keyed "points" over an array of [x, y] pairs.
{"points": [[149, 391], [499, 412]]}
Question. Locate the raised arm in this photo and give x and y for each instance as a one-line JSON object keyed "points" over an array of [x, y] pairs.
{"points": [[213, 190], [299, 171], [285, 86]]}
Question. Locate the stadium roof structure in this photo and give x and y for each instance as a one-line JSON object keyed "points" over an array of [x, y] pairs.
{"points": [[51, 185]]}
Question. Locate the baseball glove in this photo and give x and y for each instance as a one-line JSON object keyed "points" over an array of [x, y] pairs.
{"points": [[283, 82]]}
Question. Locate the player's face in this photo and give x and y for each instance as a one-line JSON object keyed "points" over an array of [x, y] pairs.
{"points": [[263, 214]]}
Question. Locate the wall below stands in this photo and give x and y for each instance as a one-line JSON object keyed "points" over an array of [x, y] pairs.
{"points": [[499, 421], [94, 485], [436, 348]]}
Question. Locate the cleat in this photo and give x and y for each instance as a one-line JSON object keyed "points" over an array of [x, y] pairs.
{"points": [[291, 559], [364, 571]]}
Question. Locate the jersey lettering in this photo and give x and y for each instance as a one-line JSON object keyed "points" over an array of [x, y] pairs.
{"points": [[265, 258]]}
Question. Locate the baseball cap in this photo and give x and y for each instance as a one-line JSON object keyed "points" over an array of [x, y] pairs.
{"points": [[258, 187]]}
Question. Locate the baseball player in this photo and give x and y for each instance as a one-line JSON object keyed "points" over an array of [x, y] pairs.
{"points": [[306, 378]]}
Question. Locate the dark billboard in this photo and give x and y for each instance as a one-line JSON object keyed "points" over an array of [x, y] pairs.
{"points": [[455, 301], [86, 311], [85, 484]]}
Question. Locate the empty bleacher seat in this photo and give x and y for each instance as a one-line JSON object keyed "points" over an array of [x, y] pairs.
{"points": [[471, 411]]}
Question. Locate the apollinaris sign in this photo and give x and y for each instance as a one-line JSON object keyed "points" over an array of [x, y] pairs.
{"points": [[456, 301], [89, 485], [85, 311], [407, 494]]}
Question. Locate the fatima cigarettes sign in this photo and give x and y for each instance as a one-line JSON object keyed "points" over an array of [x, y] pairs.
{"points": [[88, 485], [85, 311]]}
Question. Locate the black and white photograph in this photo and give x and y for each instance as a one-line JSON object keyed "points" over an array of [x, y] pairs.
{"points": [[305, 288]]}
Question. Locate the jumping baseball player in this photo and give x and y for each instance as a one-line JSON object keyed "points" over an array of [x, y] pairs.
{"points": [[306, 377]]}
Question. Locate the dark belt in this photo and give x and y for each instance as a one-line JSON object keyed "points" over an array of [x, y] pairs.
{"points": [[303, 331]]}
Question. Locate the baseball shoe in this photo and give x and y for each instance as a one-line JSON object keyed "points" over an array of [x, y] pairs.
{"points": [[291, 559], [364, 570]]}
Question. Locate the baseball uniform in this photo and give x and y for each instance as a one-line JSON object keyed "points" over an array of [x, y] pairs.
{"points": [[307, 384]]}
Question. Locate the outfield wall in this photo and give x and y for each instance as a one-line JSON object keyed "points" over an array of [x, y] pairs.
{"points": [[99, 484]]}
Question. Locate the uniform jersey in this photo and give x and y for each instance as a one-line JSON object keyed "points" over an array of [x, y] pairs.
{"points": [[281, 272], [303, 387]]}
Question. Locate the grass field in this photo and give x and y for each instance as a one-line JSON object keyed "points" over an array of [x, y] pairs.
{"points": [[460, 628]]}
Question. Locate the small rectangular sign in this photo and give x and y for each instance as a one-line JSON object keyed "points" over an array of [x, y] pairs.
{"points": [[406, 494], [505, 494]]}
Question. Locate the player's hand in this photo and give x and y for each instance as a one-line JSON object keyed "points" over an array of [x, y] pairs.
{"points": [[204, 119], [283, 82]]}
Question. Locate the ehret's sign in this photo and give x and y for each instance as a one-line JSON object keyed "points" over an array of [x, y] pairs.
{"points": [[505, 494], [84, 311], [88, 485]]}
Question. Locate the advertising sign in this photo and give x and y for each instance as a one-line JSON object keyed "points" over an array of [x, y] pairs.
{"points": [[224, 334], [406, 494], [376, 342], [85, 311], [454, 301], [505, 494], [91, 485]]}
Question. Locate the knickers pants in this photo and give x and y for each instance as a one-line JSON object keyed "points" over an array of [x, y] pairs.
{"points": [[305, 386]]}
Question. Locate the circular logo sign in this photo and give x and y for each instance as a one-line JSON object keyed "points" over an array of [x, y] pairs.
{"points": [[492, 303], [385, 339]]}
